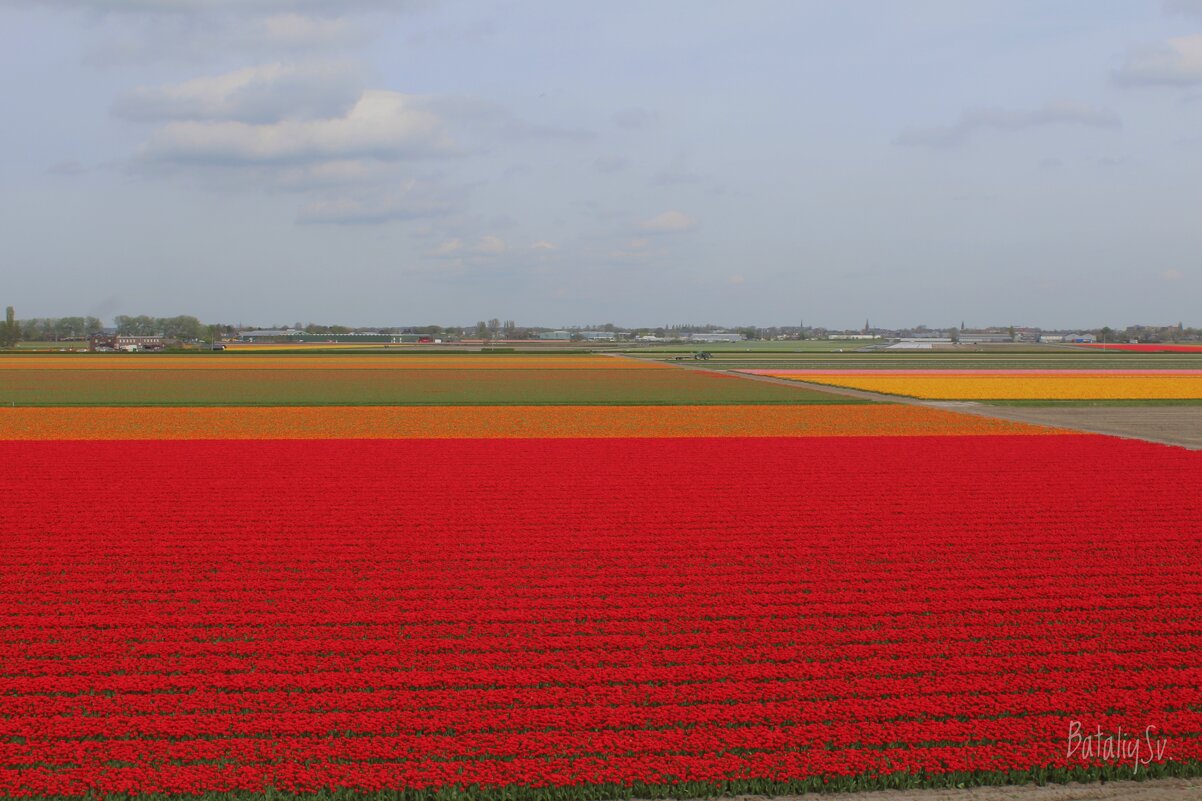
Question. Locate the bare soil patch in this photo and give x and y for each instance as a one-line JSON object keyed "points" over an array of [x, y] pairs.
{"points": [[1154, 790], [1170, 425]]}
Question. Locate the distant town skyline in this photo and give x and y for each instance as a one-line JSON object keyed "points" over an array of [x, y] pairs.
{"points": [[391, 163], [189, 326]]}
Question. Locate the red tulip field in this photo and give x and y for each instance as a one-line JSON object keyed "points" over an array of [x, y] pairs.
{"points": [[591, 618]]}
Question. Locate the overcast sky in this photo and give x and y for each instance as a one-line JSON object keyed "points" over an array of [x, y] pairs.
{"points": [[383, 162]]}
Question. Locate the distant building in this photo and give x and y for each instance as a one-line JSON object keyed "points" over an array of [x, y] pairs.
{"points": [[598, 336], [292, 336], [909, 346], [919, 343], [557, 335], [984, 339], [717, 336], [265, 334], [130, 344]]}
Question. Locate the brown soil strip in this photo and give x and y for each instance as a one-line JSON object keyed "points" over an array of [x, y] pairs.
{"points": [[1154, 790], [1167, 425]]}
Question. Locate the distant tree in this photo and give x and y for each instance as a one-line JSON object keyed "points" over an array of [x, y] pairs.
{"points": [[1107, 333], [955, 334], [35, 329], [183, 327], [70, 328], [11, 331], [481, 330], [140, 326]]}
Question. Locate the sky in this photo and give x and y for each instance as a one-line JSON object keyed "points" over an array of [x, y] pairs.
{"points": [[411, 162]]}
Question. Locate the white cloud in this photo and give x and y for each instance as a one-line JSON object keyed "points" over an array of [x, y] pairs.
{"points": [[493, 121], [1172, 275], [490, 245], [543, 244], [411, 201], [213, 36], [485, 246], [301, 32], [668, 222], [322, 174], [1005, 120], [1177, 62], [448, 248], [263, 94], [382, 125]]}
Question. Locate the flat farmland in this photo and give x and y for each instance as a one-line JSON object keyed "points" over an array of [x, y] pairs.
{"points": [[572, 578], [1149, 348], [104, 362], [306, 619], [1034, 385], [384, 381], [1088, 361], [493, 422]]}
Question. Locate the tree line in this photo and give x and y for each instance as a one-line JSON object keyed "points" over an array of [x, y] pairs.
{"points": [[54, 329], [60, 329], [184, 327]]}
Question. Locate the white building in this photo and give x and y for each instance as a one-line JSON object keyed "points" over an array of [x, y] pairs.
{"points": [[717, 336]]}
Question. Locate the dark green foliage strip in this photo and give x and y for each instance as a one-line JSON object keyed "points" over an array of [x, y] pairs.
{"points": [[393, 387], [685, 790]]}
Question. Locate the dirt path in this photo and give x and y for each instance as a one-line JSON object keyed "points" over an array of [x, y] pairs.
{"points": [[1167, 425], [1156, 790]]}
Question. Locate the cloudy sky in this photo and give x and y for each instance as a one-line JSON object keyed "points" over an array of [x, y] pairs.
{"points": [[393, 162]]}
